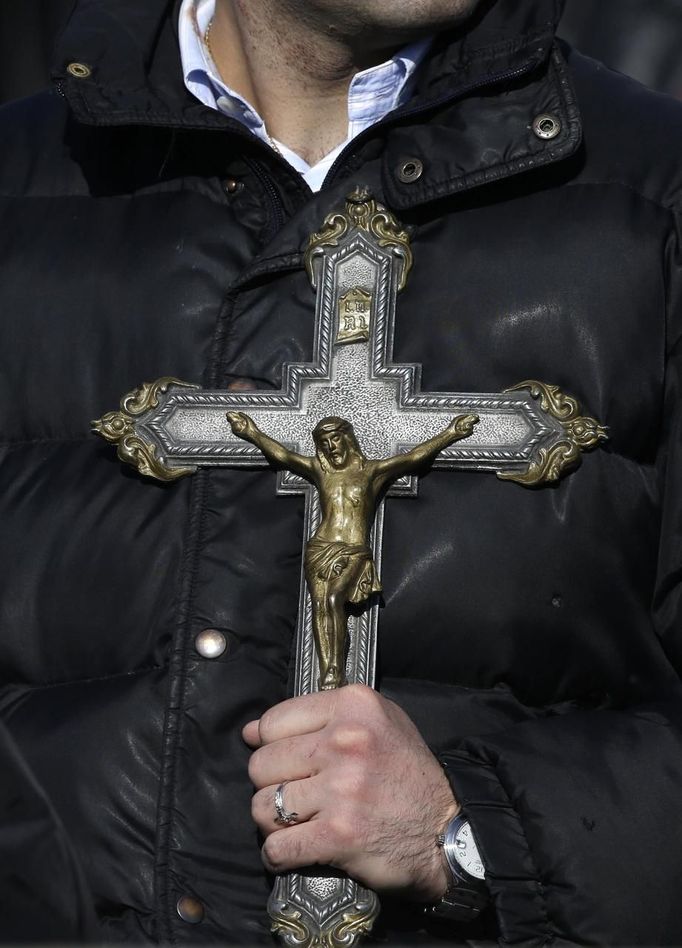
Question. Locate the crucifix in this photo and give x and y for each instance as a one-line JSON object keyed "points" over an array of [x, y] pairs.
{"points": [[531, 434]]}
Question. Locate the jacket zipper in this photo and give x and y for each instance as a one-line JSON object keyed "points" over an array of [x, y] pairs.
{"points": [[273, 196]]}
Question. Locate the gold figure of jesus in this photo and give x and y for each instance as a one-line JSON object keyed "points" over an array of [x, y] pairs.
{"points": [[338, 563]]}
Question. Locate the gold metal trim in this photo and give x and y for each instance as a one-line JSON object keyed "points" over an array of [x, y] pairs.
{"points": [[118, 427], [288, 925], [363, 212], [79, 70], [354, 316], [583, 433]]}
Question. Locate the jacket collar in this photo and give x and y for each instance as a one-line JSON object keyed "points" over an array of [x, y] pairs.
{"points": [[134, 77], [132, 55]]}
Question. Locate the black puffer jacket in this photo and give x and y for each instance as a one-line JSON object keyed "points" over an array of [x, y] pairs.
{"points": [[534, 636]]}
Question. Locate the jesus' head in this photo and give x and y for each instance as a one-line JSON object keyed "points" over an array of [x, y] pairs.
{"points": [[336, 443]]}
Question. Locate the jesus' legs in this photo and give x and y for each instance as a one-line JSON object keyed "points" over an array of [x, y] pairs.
{"points": [[330, 598]]}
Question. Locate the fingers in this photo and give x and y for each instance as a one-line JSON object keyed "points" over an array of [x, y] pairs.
{"points": [[307, 844], [303, 715], [288, 759], [302, 797], [251, 734]]}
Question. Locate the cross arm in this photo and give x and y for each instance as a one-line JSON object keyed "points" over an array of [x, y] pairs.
{"points": [[531, 434]]}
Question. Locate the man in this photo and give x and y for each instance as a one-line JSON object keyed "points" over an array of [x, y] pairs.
{"points": [[154, 214]]}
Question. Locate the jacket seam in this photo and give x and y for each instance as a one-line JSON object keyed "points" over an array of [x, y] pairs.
{"points": [[616, 183], [44, 686], [177, 689], [668, 355], [668, 348], [10, 443], [515, 44], [671, 210], [672, 207], [227, 317], [667, 276], [153, 117], [220, 337]]}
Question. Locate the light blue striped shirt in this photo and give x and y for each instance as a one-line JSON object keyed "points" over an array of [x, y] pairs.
{"points": [[372, 94]]}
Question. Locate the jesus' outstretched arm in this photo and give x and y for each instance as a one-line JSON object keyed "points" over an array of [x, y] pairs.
{"points": [[412, 461], [247, 429]]}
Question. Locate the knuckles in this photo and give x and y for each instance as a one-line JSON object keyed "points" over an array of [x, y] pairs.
{"points": [[274, 853], [349, 784], [262, 809], [255, 769], [360, 696], [266, 726], [337, 839], [362, 717], [352, 739], [282, 851]]}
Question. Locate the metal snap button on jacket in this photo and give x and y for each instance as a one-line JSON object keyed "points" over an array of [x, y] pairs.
{"points": [[210, 643], [546, 126], [79, 70], [190, 909], [411, 170]]}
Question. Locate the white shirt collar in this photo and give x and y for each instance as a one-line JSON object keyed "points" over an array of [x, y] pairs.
{"points": [[372, 94]]}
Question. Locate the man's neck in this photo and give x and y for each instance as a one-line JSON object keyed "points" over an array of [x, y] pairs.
{"points": [[295, 76]]}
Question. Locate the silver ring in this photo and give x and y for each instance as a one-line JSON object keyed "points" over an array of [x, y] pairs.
{"points": [[284, 816]]}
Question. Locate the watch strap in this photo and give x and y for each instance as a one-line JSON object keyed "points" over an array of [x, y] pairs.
{"points": [[466, 896], [460, 903]]}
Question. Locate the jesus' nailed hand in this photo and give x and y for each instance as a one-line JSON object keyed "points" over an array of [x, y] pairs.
{"points": [[338, 563]]}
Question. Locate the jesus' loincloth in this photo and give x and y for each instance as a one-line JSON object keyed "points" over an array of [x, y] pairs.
{"points": [[328, 559]]}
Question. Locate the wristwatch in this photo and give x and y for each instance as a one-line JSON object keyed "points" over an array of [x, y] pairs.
{"points": [[467, 895]]}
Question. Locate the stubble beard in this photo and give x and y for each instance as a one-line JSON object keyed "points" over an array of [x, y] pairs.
{"points": [[368, 24]]}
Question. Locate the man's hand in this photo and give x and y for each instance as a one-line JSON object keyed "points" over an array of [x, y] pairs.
{"points": [[370, 796]]}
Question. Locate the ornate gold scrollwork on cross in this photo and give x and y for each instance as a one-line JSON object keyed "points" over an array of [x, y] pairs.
{"points": [[532, 434], [292, 929], [118, 427], [362, 212], [582, 434]]}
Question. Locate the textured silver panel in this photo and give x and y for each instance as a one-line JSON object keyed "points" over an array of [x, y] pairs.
{"points": [[360, 382]]}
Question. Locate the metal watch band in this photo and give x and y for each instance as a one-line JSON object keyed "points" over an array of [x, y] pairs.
{"points": [[460, 903], [466, 896]]}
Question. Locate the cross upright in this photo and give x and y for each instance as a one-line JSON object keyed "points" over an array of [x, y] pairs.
{"points": [[531, 434]]}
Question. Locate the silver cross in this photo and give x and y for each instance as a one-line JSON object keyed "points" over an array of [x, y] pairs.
{"points": [[532, 434]]}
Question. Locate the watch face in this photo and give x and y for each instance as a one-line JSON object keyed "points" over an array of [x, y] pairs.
{"points": [[465, 852]]}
